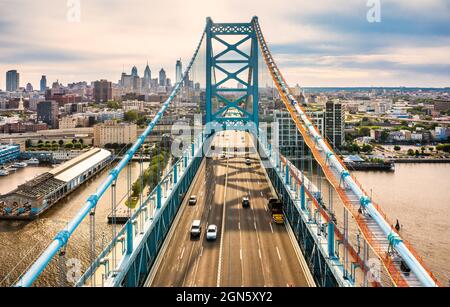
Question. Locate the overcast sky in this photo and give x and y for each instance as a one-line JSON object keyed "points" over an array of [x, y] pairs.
{"points": [[315, 42]]}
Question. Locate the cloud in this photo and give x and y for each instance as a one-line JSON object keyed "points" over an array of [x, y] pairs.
{"points": [[326, 38]]}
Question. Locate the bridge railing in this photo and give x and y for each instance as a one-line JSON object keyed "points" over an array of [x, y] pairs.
{"points": [[61, 239], [115, 266]]}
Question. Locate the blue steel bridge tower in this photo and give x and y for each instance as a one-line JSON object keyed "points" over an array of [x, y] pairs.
{"points": [[238, 64]]}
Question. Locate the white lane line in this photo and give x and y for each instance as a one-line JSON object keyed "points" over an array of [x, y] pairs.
{"points": [[259, 251], [240, 253], [182, 253], [219, 269], [271, 228], [239, 225], [262, 195], [201, 252], [278, 252], [254, 223]]}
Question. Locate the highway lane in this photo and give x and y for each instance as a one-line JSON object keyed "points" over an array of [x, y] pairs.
{"points": [[250, 250]]}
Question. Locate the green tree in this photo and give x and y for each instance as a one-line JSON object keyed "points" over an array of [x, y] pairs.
{"points": [[131, 116], [410, 152], [397, 148], [69, 145], [61, 143], [443, 147]]}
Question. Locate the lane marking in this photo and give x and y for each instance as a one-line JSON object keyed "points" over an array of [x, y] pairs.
{"points": [[182, 253], [219, 269], [240, 254], [254, 223], [278, 252], [271, 228], [239, 225], [259, 252]]}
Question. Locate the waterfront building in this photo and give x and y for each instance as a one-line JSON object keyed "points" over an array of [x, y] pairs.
{"points": [[290, 139], [111, 132], [34, 197], [9, 153]]}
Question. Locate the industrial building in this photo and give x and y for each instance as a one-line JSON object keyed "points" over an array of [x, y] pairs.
{"points": [[9, 153], [32, 198]]}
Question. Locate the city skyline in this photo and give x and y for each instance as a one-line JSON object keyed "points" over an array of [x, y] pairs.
{"points": [[316, 44]]}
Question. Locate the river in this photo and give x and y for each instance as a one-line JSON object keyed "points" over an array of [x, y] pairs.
{"points": [[416, 194], [22, 241]]}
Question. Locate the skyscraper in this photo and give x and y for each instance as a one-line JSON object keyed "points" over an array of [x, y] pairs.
{"points": [[162, 77], [102, 91], [335, 123], [47, 112], [134, 71], [29, 87], [178, 71], [147, 72], [12, 80], [43, 84], [147, 78]]}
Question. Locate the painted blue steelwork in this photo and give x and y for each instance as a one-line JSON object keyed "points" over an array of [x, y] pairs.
{"points": [[141, 250], [327, 271], [63, 236], [217, 104]]}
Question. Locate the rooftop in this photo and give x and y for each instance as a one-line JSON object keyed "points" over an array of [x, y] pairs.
{"points": [[77, 166]]}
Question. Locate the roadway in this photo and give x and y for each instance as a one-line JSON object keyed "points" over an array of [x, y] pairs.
{"points": [[250, 250]]}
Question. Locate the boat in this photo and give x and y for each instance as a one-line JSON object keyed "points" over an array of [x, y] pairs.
{"points": [[32, 161], [20, 164], [3, 172]]}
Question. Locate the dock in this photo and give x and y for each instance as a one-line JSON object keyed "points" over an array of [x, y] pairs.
{"points": [[31, 199]]}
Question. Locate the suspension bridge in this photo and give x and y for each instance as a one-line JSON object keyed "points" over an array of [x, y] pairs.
{"points": [[333, 233]]}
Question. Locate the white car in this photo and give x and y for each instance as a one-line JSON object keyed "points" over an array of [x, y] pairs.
{"points": [[196, 228], [211, 233]]}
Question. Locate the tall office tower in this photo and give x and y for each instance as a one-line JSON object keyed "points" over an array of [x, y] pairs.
{"points": [[29, 87], [12, 80], [102, 91], [134, 71], [47, 112], [43, 84], [147, 78], [178, 71], [335, 123], [162, 77]]}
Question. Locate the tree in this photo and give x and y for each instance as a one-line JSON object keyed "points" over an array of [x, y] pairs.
{"points": [[410, 152], [69, 145], [443, 147], [367, 148], [28, 143], [131, 116], [77, 145], [364, 131], [397, 148], [61, 143], [81, 141]]}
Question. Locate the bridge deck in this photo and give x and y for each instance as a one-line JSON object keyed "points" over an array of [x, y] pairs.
{"points": [[249, 250]]}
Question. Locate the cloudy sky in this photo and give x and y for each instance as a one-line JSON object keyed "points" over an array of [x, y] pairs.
{"points": [[315, 42]]}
